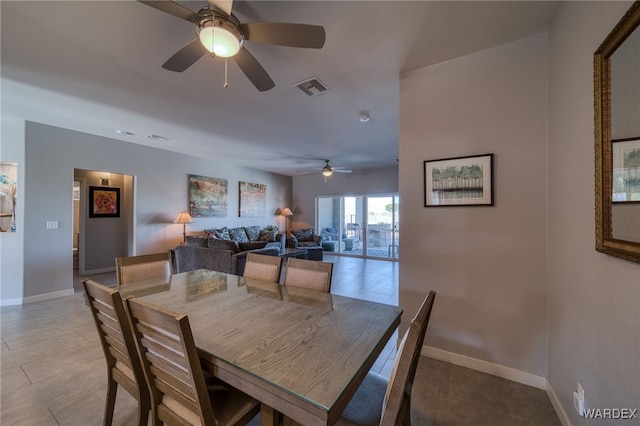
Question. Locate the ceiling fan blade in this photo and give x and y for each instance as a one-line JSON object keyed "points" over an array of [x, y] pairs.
{"points": [[341, 170], [283, 34], [185, 57], [172, 8], [253, 70], [223, 5]]}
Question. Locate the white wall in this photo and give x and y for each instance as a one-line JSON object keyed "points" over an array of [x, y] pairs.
{"points": [[594, 299], [307, 187], [487, 264], [52, 155]]}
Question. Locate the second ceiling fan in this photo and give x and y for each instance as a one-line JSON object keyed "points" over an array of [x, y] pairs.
{"points": [[221, 34], [328, 170]]}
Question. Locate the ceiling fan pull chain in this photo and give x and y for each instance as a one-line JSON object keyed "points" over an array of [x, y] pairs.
{"points": [[226, 83]]}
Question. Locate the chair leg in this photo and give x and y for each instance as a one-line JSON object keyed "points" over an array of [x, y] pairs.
{"points": [[112, 389]]}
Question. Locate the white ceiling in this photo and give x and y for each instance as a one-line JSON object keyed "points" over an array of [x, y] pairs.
{"points": [[95, 66]]}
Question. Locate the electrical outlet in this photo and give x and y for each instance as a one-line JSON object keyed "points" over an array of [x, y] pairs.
{"points": [[580, 392], [578, 400]]}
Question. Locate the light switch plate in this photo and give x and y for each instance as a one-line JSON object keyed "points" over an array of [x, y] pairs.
{"points": [[51, 224]]}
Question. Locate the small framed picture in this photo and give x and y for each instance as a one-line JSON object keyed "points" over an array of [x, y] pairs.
{"points": [[460, 181], [626, 171], [105, 202]]}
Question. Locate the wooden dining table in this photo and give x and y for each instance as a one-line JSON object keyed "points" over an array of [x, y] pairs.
{"points": [[301, 353]]}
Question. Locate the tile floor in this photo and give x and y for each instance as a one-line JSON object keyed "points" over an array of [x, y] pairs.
{"points": [[52, 369]]}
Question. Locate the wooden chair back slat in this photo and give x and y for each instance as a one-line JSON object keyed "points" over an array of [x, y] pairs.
{"points": [[175, 389], [118, 344], [168, 368], [309, 274], [109, 323], [163, 338], [115, 341], [121, 357]]}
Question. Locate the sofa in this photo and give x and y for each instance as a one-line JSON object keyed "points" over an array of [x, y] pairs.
{"points": [[225, 250], [303, 238]]}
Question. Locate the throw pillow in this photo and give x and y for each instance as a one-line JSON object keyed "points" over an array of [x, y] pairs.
{"points": [[253, 232], [238, 235], [222, 233], [304, 234], [268, 236]]}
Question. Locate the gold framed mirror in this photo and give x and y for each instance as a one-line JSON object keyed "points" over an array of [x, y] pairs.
{"points": [[617, 139]]}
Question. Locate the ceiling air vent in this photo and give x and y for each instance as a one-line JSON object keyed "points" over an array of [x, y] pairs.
{"points": [[158, 137], [312, 86]]}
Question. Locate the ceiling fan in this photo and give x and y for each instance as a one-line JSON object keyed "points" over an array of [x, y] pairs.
{"points": [[221, 34], [327, 170]]}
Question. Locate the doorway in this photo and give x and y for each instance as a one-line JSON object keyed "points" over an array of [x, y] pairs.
{"points": [[76, 225], [363, 225], [97, 241]]}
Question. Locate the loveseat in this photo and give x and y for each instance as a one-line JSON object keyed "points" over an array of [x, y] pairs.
{"points": [[332, 241], [302, 238], [225, 250]]}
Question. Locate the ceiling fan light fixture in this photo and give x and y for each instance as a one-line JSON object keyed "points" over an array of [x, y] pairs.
{"points": [[220, 39], [327, 171]]}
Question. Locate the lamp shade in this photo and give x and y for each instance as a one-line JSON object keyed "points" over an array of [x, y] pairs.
{"points": [[286, 212], [219, 40], [184, 217]]}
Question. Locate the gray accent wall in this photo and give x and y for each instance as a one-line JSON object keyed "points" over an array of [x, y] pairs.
{"points": [[488, 264], [161, 192]]}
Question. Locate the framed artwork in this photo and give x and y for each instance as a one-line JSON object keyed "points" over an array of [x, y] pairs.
{"points": [[253, 199], [208, 196], [105, 202], [8, 196], [460, 181], [626, 171]]}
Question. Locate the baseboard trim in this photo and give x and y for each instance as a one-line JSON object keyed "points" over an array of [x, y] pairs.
{"points": [[47, 296], [486, 367], [10, 302], [562, 415]]}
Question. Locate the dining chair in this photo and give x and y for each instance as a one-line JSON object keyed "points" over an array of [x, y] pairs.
{"points": [[179, 394], [309, 274], [263, 267], [134, 269], [118, 344], [379, 401]]}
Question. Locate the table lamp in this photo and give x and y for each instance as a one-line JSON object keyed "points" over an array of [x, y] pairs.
{"points": [[184, 218]]}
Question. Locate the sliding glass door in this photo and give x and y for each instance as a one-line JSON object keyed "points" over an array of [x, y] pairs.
{"points": [[382, 226], [359, 225]]}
